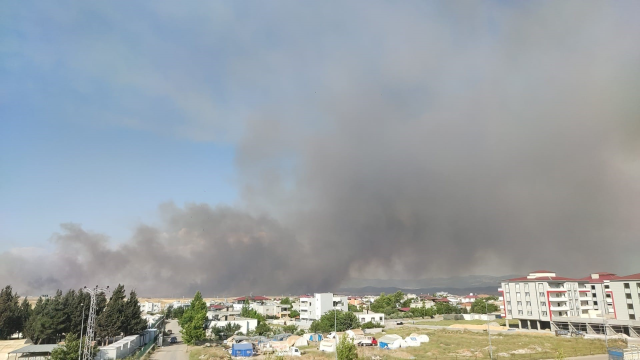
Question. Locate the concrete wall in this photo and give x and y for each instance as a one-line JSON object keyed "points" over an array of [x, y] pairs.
{"points": [[246, 324]]}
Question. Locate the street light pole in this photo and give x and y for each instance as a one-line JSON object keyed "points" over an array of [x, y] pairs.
{"points": [[335, 327], [486, 312]]}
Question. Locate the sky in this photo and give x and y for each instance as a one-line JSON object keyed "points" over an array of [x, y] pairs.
{"points": [[253, 146]]}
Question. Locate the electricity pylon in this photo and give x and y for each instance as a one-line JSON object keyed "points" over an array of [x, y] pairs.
{"points": [[91, 322]]}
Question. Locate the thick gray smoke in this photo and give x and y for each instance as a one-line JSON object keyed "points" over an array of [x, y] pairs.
{"points": [[399, 141]]}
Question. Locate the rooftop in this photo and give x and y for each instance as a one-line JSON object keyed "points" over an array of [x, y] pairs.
{"points": [[32, 348]]}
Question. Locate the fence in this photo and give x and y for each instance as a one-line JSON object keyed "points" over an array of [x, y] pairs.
{"points": [[146, 348]]}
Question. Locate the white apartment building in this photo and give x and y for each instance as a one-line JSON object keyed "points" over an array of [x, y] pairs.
{"points": [[593, 304], [150, 307], [313, 307]]}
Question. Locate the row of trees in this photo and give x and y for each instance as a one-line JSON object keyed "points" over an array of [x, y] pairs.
{"points": [[335, 319], [54, 317]]}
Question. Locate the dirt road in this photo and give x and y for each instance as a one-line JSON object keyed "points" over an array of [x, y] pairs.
{"points": [[169, 351]]}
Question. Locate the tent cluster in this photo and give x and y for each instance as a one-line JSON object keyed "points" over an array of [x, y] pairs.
{"points": [[392, 341]]}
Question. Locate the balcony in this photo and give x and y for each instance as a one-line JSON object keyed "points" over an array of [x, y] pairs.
{"points": [[558, 298], [560, 308], [629, 301], [631, 311], [501, 298], [500, 290], [627, 290], [586, 307]]}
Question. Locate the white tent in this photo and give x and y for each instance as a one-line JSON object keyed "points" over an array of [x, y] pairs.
{"points": [[391, 341], [297, 341], [355, 333], [412, 341], [422, 338], [327, 345]]}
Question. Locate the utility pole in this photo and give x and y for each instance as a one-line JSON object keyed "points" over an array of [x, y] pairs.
{"points": [[335, 326], [486, 312], [91, 322]]}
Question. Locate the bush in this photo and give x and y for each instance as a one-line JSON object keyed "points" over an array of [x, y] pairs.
{"points": [[371, 325], [346, 349]]}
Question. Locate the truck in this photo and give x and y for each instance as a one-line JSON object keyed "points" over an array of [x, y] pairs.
{"points": [[367, 341], [293, 351]]}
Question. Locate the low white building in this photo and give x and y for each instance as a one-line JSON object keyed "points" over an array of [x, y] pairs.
{"points": [[271, 309], [364, 317]]}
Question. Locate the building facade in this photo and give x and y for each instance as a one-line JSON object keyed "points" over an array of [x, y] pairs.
{"points": [[593, 304], [313, 307]]}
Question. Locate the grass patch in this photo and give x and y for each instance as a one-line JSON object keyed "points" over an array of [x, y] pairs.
{"points": [[501, 322], [447, 344], [214, 352]]}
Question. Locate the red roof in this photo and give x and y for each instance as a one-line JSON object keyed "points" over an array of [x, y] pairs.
{"points": [[441, 300], [254, 298], [404, 309], [305, 296], [217, 306], [630, 277]]}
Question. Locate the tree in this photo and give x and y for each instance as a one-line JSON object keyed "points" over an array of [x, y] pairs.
{"points": [[371, 325], [290, 329], [193, 320], [388, 304], [228, 330], [294, 314], [346, 349], [168, 312], [481, 307], [177, 313], [263, 329], [10, 319], [285, 301], [111, 320], [248, 312], [68, 351], [25, 314], [133, 323], [352, 308], [344, 321]]}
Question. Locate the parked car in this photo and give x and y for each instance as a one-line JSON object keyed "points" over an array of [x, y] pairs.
{"points": [[173, 340], [399, 323]]}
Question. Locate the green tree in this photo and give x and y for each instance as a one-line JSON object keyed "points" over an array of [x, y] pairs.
{"points": [[294, 314], [25, 314], [481, 307], [346, 349], [290, 329], [248, 312], [111, 320], [68, 351], [263, 329], [133, 323], [352, 308], [177, 313], [371, 325], [285, 301], [193, 320], [388, 304], [226, 331], [10, 319], [344, 321]]}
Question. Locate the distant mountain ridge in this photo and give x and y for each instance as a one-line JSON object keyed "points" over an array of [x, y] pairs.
{"points": [[455, 285], [373, 290]]}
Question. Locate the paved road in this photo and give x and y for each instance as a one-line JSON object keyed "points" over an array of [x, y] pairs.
{"points": [[176, 351]]}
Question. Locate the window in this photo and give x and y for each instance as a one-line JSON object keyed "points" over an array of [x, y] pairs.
{"points": [[632, 316], [380, 318], [529, 303], [519, 303], [519, 312], [518, 296], [606, 286], [628, 296], [595, 302], [517, 287], [626, 286], [543, 304], [541, 295], [506, 288], [630, 306], [529, 313], [527, 294], [540, 287], [526, 287], [544, 313]]}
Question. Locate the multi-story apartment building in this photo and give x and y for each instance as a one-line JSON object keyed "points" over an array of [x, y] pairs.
{"points": [[150, 307], [594, 304], [313, 307]]}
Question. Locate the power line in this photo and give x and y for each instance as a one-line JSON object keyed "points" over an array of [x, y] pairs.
{"points": [[91, 322]]}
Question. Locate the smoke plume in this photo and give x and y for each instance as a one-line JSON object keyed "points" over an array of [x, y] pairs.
{"points": [[398, 141]]}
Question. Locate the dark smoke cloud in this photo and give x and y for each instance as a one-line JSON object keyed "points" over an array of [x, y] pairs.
{"points": [[197, 248], [402, 142]]}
